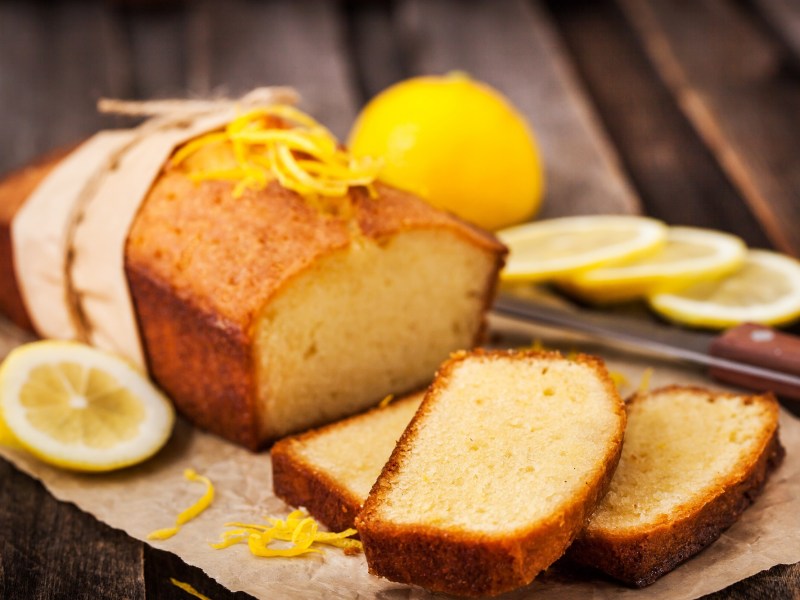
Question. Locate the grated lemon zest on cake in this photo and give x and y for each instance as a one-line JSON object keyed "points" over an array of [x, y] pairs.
{"points": [[386, 401], [283, 143], [188, 589], [190, 513], [300, 529]]}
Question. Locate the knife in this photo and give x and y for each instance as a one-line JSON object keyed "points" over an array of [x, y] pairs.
{"points": [[752, 356]]}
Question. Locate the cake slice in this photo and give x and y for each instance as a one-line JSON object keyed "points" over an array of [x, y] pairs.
{"points": [[496, 474], [693, 461], [330, 470]]}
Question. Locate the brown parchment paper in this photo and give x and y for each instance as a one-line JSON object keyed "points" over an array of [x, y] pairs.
{"points": [[143, 498]]}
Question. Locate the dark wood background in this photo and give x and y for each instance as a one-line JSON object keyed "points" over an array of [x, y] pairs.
{"points": [[695, 105]]}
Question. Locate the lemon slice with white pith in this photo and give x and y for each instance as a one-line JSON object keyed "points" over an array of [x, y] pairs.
{"points": [[558, 248], [766, 289], [690, 254], [80, 408]]}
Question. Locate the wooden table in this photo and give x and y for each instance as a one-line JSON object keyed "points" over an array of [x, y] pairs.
{"points": [[688, 111]]}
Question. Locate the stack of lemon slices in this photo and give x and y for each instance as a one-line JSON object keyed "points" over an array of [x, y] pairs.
{"points": [[693, 276], [80, 408]]}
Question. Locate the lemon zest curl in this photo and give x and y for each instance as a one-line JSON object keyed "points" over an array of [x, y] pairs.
{"points": [[190, 513], [301, 530], [188, 589], [281, 143]]}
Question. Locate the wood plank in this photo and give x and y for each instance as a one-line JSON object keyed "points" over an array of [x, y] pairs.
{"points": [[21, 94], [250, 44], [161, 567], [725, 75], [784, 17], [56, 60], [50, 549], [158, 46], [676, 176], [511, 45], [374, 47], [781, 581]]}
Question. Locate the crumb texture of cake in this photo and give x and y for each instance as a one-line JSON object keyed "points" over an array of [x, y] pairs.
{"points": [[692, 462], [496, 474], [331, 470], [373, 317], [267, 314]]}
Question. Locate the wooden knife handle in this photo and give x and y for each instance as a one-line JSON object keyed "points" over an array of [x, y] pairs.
{"points": [[763, 347]]}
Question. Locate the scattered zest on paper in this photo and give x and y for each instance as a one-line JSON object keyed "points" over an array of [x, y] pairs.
{"points": [[299, 529], [191, 512], [188, 589]]}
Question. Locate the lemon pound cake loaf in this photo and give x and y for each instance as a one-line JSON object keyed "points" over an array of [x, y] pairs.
{"points": [[263, 311], [497, 472], [693, 461], [330, 470]]}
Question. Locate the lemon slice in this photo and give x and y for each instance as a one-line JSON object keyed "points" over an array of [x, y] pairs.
{"points": [[689, 254], [766, 289], [563, 247], [80, 408]]}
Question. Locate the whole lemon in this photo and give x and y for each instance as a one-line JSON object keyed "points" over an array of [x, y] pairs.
{"points": [[457, 143]]}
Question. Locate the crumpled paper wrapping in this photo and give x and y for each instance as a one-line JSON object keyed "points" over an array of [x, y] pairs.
{"points": [[143, 498]]}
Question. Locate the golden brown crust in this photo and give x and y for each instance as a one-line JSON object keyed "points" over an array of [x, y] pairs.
{"points": [[202, 362], [465, 563], [640, 557], [301, 484]]}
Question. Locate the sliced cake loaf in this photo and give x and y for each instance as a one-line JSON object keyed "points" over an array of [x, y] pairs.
{"points": [[263, 315], [693, 460], [496, 474], [330, 470]]}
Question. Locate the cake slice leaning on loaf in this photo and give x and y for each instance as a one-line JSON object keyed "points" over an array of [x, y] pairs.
{"points": [[329, 471], [263, 313], [496, 474], [693, 461]]}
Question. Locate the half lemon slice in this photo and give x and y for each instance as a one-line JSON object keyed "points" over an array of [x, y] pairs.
{"points": [[80, 408], [558, 248], [766, 289], [690, 254]]}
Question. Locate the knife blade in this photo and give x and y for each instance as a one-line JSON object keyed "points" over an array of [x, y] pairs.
{"points": [[752, 356]]}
